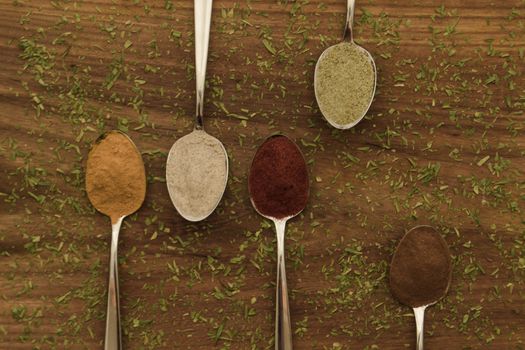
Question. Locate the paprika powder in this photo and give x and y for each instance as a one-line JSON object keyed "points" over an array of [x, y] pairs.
{"points": [[278, 181]]}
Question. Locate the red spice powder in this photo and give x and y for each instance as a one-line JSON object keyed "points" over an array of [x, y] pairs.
{"points": [[278, 181]]}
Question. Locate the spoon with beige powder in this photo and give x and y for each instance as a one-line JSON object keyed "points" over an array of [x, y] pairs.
{"points": [[197, 165], [345, 79], [116, 186]]}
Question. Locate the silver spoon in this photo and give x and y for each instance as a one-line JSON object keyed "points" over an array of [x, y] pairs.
{"points": [[283, 326], [348, 39], [198, 197], [419, 315], [404, 288], [128, 204]]}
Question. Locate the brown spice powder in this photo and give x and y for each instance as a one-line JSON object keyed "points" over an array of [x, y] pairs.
{"points": [[115, 176], [421, 268]]}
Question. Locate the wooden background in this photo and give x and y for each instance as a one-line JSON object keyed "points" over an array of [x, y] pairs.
{"points": [[443, 144]]}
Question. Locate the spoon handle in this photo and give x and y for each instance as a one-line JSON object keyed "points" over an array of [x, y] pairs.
{"points": [[113, 339], [202, 38], [419, 313], [350, 8], [283, 325]]}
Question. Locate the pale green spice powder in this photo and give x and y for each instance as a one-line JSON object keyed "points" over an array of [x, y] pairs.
{"points": [[344, 83]]}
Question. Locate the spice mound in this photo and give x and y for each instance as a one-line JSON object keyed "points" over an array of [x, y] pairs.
{"points": [[196, 174], [115, 176], [344, 83], [421, 268], [278, 181]]}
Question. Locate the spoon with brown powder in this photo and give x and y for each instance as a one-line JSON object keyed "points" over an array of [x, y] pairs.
{"points": [[116, 186], [279, 188], [420, 272]]}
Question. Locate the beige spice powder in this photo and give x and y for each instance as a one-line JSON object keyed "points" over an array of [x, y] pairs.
{"points": [[344, 83], [196, 174]]}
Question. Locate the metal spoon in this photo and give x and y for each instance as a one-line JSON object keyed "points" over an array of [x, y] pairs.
{"points": [[348, 39], [397, 285], [419, 315], [128, 205], [182, 195], [283, 326]]}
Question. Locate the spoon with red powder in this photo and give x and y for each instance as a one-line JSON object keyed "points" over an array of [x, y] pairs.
{"points": [[279, 188], [420, 272]]}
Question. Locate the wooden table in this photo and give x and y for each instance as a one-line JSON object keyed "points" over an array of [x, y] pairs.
{"points": [[443, 144]]}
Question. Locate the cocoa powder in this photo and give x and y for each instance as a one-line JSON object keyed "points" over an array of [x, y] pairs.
{"points": [[421, 268]]}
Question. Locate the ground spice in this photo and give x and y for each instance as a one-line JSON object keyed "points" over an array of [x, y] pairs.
{"points": [[278, 181], [115, 176], [421, 268], [344, 83], [196, 174]]}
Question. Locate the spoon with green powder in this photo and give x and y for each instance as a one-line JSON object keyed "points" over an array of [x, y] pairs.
{"points": [[197, 165], [279, 188], [345, 79], [420, 272], [116, 186]]}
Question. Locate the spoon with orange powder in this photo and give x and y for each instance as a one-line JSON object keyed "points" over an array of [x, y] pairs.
{"points": [[116, 186]]}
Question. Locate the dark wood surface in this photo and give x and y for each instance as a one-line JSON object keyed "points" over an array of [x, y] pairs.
{"points": [[451, 92]]}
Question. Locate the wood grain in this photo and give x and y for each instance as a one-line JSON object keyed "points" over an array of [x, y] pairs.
{"points": [[211, 285]]}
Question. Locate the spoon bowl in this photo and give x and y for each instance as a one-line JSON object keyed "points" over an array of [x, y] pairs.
{"points": [[273, 202], [357, 102], [117, 170], [205, 158]]}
